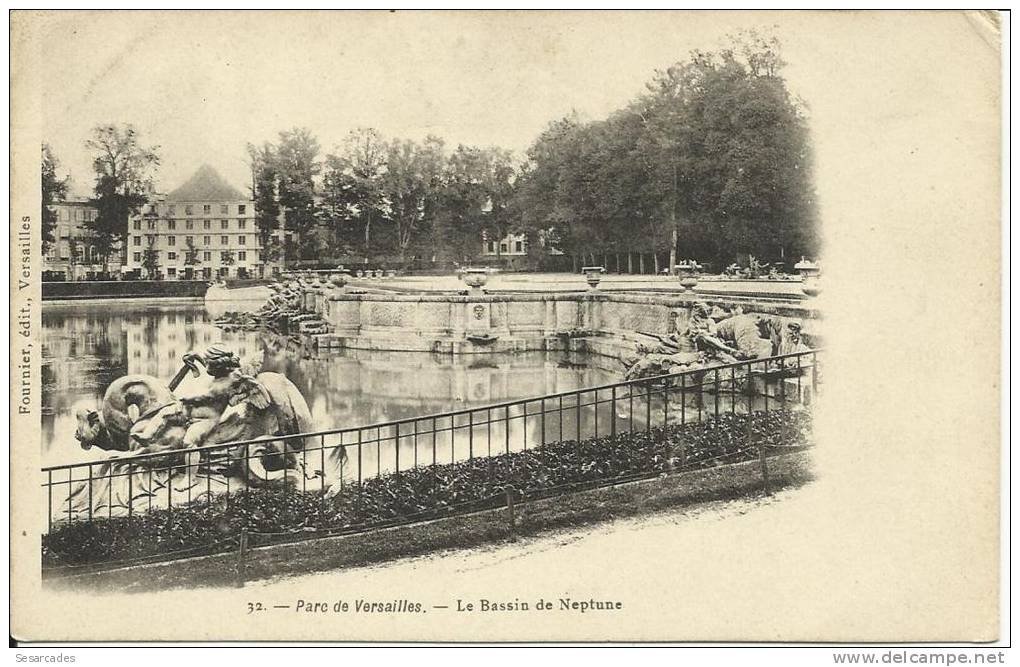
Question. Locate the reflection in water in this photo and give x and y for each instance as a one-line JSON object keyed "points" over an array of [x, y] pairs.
{"points": [[85, 347]]}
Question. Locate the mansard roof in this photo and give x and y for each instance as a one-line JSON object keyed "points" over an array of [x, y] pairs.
{"points": [[206, 185]]}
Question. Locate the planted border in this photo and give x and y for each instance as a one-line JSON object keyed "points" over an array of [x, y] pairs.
{"points": [[426, 492]]}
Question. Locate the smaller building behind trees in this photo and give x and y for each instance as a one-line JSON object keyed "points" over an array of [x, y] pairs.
{"points": [[73, 253]]}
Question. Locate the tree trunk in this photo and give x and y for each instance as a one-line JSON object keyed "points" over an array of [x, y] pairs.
{"points": [[672, 249], [655, 258], [641, 263], [617, 262], [573, 261], [673, 225], [368, 228], [630, 262]]}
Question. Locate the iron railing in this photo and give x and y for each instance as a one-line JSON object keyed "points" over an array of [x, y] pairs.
{"points": [[343, 463]]}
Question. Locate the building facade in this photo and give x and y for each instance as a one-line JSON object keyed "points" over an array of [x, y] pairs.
{"points": [[203, 230], [72, 255], [511, 245]]}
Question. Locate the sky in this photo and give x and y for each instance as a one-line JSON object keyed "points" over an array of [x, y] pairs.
{"points": [[201, 86]]}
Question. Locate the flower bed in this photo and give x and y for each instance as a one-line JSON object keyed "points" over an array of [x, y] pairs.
{"points": [[425, 492]]}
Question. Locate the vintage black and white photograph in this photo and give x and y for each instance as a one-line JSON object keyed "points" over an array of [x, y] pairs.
{"points": [[488, 326]]}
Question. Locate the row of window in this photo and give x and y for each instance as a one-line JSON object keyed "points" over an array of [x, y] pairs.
{"points": [[188, 224], [206, 273], [206, 256], [69, 213], [504, 247], [206, 240], [189, 209], [92, 255]]}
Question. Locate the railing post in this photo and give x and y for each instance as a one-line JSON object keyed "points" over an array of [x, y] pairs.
{"points": [[800, 389], [242, 549], [683, 401], [612, 406], [510, 514], [70, 483], [357, 509], [559, 417], [578, 420], [169, 487], [524, 419], [764, 468], [542, 423], [630, 408], [665, 404], [415, 440], [322, 463], [90, 491], [814, 375], [648, 407], [49, 500], [717, 394]]}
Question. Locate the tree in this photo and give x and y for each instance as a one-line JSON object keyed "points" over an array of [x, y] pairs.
{"points": [[227, 258], [411, 186], [712, 160], [473, 201], [53, 190], [263, 192], [549, 193], [150, 259], [498, 177], [73, 246], [340, 202], [364, 160], [296, 166], [191, 253], [737, 147], [123, 171]]}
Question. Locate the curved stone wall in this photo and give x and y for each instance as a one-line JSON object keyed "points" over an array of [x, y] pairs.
{"points": [[605, 323]]}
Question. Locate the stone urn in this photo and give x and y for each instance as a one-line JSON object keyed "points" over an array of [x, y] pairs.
{"points": [[475, 279], [810, 272], [687, 272], [593, 275], [337, 281]]}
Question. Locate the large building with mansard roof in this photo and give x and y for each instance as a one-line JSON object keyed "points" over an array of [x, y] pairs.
{"points": [[204, 229]]}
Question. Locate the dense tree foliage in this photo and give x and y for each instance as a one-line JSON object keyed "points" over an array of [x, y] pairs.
{"points": [[123, 172], [53, 190], [711, 162], [267, 208]]}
